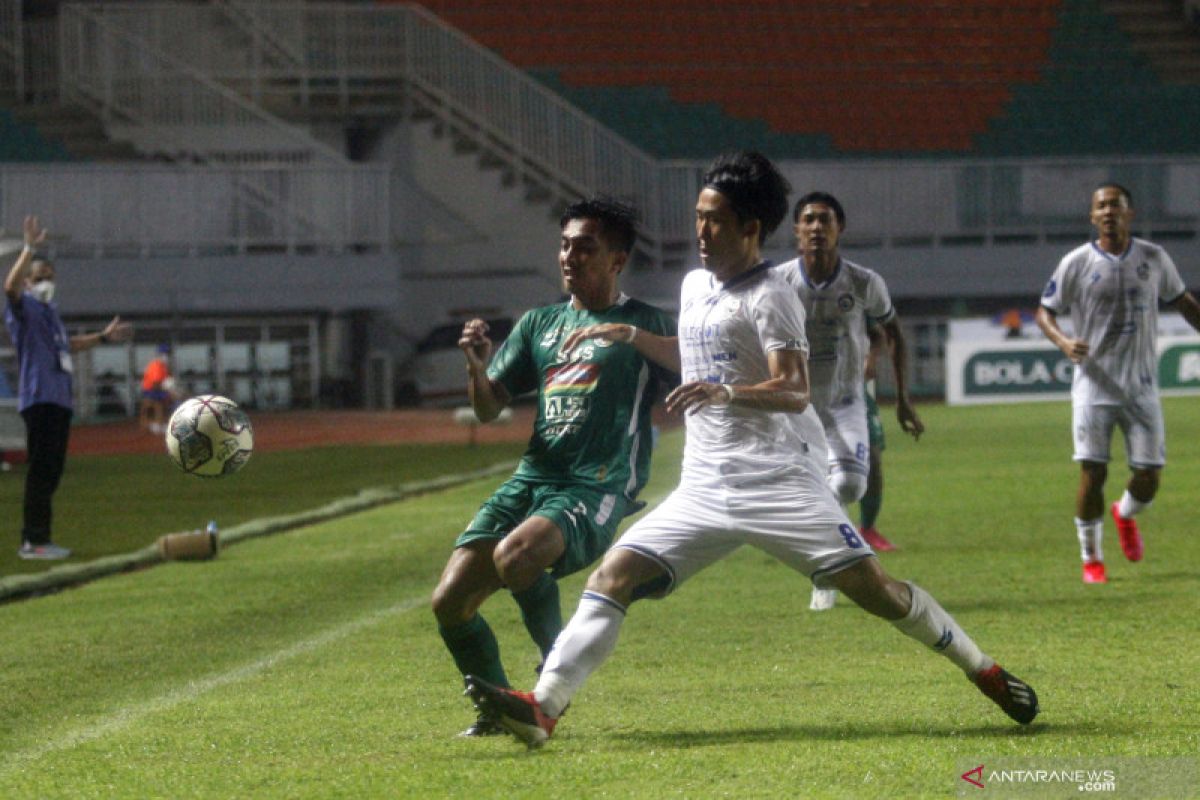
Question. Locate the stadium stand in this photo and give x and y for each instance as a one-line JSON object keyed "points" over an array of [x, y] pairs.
{"points": [[808, 80]]}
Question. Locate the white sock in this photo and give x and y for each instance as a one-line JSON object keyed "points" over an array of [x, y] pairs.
{"points": [[1129, 506], [929, 624], [1090, 533], [579, 650]]}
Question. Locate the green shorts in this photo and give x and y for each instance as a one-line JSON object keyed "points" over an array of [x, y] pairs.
{"points": [[874, 424], [587, 517]]}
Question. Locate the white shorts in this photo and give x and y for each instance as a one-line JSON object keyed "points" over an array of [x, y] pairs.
{"points": [[788, 512], [1141, 422], [847, 433]]}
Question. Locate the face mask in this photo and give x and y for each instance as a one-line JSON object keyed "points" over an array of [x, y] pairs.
{"points": [[43, 290]]}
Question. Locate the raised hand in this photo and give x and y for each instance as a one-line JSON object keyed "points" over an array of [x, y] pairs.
{"points": [[475, 344]]}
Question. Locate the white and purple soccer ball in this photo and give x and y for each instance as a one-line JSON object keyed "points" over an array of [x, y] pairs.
{"points": [[209, 436]]}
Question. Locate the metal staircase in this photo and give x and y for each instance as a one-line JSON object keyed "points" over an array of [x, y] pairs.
{"points": [[314, 62]]}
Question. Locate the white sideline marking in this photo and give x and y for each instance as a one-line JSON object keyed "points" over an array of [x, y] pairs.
{"points": [[123, 717]]}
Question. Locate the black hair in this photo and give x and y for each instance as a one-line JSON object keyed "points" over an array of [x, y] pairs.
{"points": [[618, 221], [824, 198], [1119, 188], [753, 186]]}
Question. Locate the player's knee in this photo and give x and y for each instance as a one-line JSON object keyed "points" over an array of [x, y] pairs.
{"points": [[848, 486], [1094, 472], [1144, 484], [876, 592], [517, 563], [608, 581], [625, 575], [447, 604]]}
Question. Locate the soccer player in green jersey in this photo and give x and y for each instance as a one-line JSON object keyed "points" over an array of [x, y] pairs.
{"points": [[587, 459]]}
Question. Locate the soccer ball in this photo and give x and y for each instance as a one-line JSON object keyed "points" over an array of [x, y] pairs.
{"points": [[209, 436]]}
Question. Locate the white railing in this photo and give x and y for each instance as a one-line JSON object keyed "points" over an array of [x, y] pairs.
{"points": [[167, 210], [348, 49], [272, 25], [936, 203], [163, 209], [168, 106]]}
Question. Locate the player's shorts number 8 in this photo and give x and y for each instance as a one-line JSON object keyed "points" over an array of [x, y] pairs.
{"points": [[851, 536]]}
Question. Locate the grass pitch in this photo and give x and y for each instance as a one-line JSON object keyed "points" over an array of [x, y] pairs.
{"points": [[117, 504], [307, 665]]}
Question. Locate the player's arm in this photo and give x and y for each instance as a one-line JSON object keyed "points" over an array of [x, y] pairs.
{"points": [[910, 421], [1187, 305], [1047, 320], [786, 390], [877, 341], [114, 331], [14, 282], [662, 350], [488, 397]]}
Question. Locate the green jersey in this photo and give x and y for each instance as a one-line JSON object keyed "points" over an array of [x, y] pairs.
{"points": [[593, 416]]}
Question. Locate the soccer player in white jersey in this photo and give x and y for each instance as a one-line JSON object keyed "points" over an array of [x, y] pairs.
{"points": [[753, 469], [1112, 287], [841, 299]]}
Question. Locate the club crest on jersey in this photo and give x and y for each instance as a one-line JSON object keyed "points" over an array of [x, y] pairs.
{"points": [[1143, 270], [845, 302]]}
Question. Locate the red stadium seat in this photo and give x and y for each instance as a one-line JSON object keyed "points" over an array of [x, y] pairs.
{"points": [[875, 76]]}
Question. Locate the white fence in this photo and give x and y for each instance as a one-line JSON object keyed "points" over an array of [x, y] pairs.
{"points": [[165, 104], [347, 50], [163, 210]]}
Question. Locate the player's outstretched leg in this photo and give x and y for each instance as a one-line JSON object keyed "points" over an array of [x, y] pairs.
{"points": [[915, 613], [930, 624], [519, 713]]}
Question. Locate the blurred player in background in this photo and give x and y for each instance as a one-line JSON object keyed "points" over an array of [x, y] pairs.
{"points": [[1112, 287], [45, 393], [589, 455], [158, 391], [754, 467], [841, 301]]}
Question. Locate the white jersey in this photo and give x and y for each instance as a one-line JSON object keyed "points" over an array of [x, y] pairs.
{"points": [[725, 333], [1113, 303], [837, 313]]}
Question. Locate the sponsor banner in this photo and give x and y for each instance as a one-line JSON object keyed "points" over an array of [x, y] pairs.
{"points": [[1019, 371], [1178, 364]]}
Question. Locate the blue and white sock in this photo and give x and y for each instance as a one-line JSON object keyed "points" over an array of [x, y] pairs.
{"points": [[580, 649], [929, 624], [1090, 533]]}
